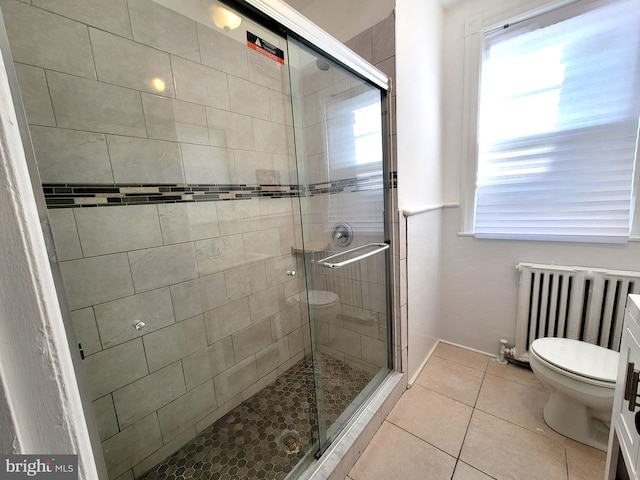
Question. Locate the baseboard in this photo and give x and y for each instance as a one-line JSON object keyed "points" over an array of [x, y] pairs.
{"points": [[468, 348]]}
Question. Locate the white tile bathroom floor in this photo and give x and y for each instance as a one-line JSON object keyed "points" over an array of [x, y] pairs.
{"points": [[468, 418]]}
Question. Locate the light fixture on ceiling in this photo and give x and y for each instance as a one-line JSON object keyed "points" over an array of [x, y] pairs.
{"points": [[158, 84], [223, 18]]}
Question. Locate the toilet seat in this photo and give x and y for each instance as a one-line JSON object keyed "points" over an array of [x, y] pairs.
{"points": [[318, 297], [589, 363]]}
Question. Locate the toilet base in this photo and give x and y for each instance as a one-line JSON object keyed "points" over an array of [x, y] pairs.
{"points": [[574, 420]]}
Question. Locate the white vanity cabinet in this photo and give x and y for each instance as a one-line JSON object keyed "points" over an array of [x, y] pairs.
{"points": [[624, 440]]}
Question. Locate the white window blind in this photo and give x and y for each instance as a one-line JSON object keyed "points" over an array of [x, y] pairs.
{"points": [[558, 125], [354, 132], [354, 140]]}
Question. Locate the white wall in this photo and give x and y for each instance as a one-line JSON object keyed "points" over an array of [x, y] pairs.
{"points": [[418, 72], [8, 438], [479, 282], [423, 292]]}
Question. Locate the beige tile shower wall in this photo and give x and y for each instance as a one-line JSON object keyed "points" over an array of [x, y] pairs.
{"points": [[377, 45], [319, 88], [209, 280], [221, 320], [359, 333], [89, 73]]}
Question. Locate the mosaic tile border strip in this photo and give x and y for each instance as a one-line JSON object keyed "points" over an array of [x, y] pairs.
{"points": [[63, 195], [92, 195]]}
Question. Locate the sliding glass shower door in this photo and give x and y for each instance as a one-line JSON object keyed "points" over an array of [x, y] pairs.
{"points": [[338, 131], [216, 195]]}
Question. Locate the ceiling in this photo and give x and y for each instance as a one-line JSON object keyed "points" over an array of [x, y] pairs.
{"points": [[301, 5]]}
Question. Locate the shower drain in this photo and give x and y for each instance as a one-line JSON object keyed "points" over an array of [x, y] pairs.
{"points": [[289, 441]]}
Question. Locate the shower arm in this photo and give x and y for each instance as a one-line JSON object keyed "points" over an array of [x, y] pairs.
{"points": [[381, 247]]}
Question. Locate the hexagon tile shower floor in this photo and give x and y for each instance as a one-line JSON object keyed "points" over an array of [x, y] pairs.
{"points": [[266, 436]]}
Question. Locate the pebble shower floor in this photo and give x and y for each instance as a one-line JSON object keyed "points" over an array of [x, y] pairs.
{"points": [[266, 436]]}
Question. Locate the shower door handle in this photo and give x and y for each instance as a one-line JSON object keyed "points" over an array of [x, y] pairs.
{"points": [[381, 248]]}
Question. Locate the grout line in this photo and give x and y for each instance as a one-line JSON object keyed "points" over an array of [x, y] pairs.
{"points": [[475, 408], [419, 438], [455, 467], [442, 394], [562, 440], [435, 354], [458, 461], [566, 459], [464, 438], [484, 374]]}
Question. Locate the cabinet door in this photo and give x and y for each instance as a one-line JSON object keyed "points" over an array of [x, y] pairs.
{"points": [[624, 418]]}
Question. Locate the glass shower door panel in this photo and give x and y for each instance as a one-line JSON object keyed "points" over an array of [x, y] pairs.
{"points": [[339, 152]]}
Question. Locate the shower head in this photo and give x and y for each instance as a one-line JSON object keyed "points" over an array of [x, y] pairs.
{"points": [[322, 65]]}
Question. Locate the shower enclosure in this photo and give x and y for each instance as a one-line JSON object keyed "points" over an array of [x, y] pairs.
{"points": [[217, 191]]}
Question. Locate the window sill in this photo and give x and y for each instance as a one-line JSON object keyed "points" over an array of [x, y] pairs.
{"points": [[608, 241]]}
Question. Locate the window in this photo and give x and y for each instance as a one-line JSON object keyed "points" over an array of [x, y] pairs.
{"points": [[558, 125], [355, 152], [354, 130], [367, 133]]}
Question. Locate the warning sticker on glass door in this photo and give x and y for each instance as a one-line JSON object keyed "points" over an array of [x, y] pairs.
{"points": [[265, 48]]}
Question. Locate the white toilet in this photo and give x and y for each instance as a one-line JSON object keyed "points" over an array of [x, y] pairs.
{"points": [[324, 306], [581, 378]]}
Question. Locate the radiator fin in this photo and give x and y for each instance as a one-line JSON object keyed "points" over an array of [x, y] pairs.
{"points": [[572, 302]]}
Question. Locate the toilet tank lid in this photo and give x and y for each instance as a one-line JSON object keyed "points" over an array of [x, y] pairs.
{"points": [[581, 358], [318, 297]]}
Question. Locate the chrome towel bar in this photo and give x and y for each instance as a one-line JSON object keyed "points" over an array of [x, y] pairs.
{"points": [[381, 247]]}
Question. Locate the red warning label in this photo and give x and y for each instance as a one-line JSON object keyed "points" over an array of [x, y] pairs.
{"points": [[265, 48]]}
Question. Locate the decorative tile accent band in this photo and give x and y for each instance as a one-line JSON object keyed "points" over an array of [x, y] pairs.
{"points": [[98, 195]]}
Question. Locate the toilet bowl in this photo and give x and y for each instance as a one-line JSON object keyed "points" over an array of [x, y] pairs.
{"points": [[581, 379], [324, 306]]}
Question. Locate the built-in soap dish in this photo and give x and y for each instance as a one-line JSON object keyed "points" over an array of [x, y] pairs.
{"points": [[310, 247]]}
